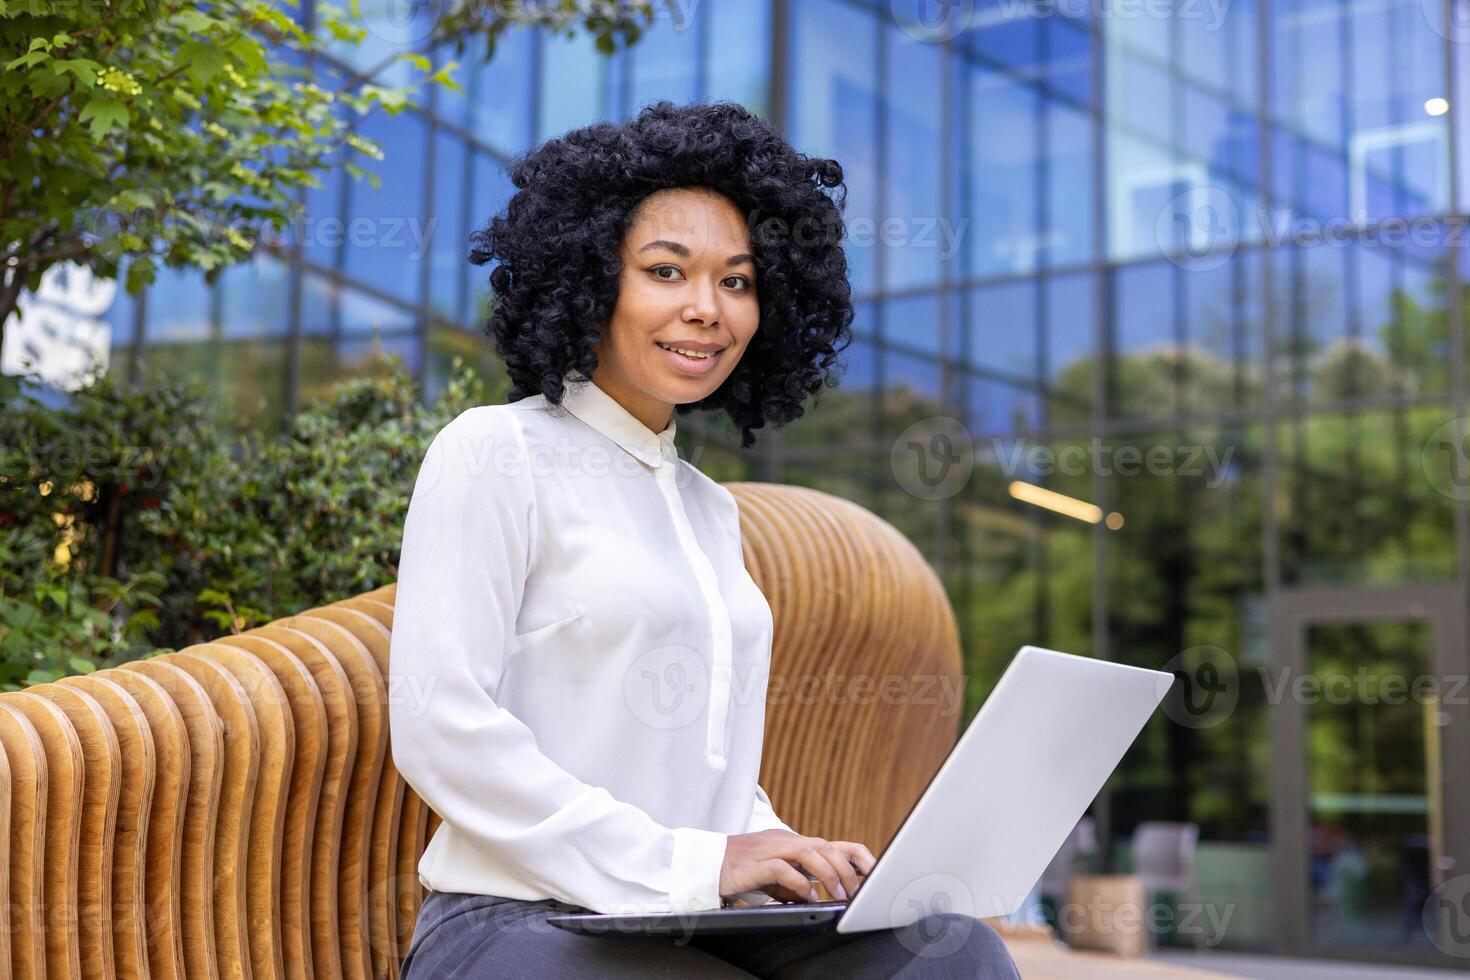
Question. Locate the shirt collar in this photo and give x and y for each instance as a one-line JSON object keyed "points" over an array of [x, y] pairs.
{"points": [[605, 414]]}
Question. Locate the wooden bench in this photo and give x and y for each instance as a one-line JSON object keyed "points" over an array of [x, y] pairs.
{"points": [[231, 810]]}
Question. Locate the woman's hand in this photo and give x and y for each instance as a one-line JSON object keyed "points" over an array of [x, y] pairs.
{"points": [[779, 863]]}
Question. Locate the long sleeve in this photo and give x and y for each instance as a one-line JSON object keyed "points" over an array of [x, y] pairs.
{"points": [[517, 815], [763, 815]]}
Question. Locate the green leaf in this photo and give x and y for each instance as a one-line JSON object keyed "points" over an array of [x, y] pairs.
{"points": [[82, 665], [419, 61], [28, 60], [194, 21], [204, 60], [104, 114], [141, 272], [82, 69]]}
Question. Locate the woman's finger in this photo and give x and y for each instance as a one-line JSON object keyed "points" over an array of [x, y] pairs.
{"points": [[847, 875], [860, 856], [781, 872], [810, 855]]}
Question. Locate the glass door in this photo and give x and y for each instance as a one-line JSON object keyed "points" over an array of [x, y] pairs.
{"points": [[1372, 771]]}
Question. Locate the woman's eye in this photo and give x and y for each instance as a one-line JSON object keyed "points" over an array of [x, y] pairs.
{"points": [[740, 282], [660, 268]]}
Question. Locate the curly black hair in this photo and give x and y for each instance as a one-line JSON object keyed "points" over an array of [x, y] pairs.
{"points": [[556, 244]]}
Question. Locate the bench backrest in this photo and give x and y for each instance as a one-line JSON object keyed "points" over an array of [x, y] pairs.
{"points": [[231, 810]]}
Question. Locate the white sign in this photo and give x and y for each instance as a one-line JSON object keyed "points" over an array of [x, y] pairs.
{"points": [[62, 336]]}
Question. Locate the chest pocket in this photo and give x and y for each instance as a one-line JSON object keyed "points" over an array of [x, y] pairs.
{"points": [[532, 635]]}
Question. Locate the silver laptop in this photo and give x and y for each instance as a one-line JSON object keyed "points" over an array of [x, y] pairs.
{"points": [[1025, 771]]}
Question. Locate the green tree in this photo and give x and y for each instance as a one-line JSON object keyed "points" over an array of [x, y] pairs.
{"points": [[141, 133]]}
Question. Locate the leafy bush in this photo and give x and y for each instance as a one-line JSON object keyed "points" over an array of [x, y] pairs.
{"points": [[135, 520]]}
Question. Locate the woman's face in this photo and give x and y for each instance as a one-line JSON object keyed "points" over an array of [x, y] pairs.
{"points": [[688, 281]]}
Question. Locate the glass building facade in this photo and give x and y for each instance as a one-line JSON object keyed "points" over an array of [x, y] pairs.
{"points": [[1194, 267]]}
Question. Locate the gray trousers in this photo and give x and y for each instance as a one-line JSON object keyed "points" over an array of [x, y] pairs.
{"points": [[476, 937]]}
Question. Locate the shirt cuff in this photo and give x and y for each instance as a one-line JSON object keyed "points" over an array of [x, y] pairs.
{"points": [[698, 857]]}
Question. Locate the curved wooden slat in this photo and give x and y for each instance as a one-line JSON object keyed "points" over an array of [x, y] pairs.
{"points": [[26, 822], [381, 897], [125, 920], [203, 789], [361, 792], [65, 778], [264, 827], [159, 914], [309, 723], [239, 774]]}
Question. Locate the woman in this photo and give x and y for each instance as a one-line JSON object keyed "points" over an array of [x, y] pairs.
{"points": [[587, 653]]}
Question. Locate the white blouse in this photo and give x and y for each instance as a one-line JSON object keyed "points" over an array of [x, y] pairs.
{"points": [[579, 661]]}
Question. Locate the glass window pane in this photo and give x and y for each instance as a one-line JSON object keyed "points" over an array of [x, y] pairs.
{"points": [[385, 242], [178, 307], [1145, 359], [738, 66], [1358, 80], [448, 264], [911, 239], [574, 84], [1355, 503], [319, 305], [833, 112], [1222, 367], [913, 322], [1071, 362], [1003, 329], [255, 297], [364, 314], [1066, 233], [665, 63], [1001, 193], [500, 104]]}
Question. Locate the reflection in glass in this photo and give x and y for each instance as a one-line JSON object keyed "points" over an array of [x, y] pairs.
{"points": [[1357, 498], [913, 245], [254, 298], [1373, 812], [832, 111], [386, 234]]}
